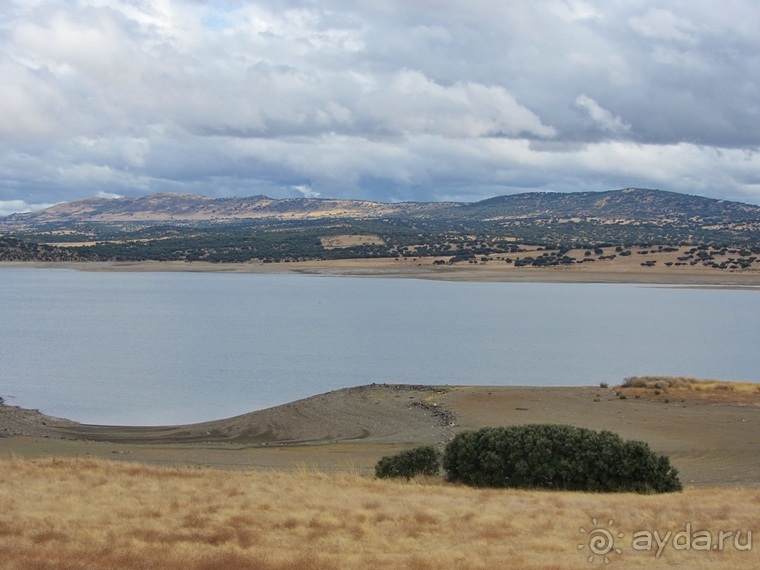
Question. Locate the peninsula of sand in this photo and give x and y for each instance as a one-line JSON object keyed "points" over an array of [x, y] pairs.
{"points": [[710, 430]]}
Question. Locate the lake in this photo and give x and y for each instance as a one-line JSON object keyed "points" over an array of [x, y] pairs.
{"points": [[166, 348]]}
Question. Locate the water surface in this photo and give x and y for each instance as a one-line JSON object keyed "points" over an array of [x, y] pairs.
{"points": [[164, 348]]}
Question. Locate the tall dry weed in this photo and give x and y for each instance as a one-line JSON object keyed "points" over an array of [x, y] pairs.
{"points": [[81, 514]]}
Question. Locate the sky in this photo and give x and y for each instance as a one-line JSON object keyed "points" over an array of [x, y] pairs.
{"points": [[385, 100]]}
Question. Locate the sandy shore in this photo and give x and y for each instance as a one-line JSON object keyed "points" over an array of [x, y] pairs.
{"points": [[618, 271], [712, 439]]}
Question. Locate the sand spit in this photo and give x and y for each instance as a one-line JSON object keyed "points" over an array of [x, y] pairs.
{"points": [[712, 441], [374, 413]]}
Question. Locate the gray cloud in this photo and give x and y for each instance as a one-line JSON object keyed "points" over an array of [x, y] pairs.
{"points": [[378, 100]]}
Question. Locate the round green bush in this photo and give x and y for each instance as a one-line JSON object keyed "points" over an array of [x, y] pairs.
{"points": [[423, 460], [557, 457]]}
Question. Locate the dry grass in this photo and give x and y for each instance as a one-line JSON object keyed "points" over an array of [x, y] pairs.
{"points": [[352, 240], [679, 386], [82, 513], [663, 382]]}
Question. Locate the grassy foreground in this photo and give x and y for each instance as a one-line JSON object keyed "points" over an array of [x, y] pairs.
{"points": [[85, 513]]}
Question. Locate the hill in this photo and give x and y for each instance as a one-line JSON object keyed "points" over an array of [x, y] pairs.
{"points": [[632, 204], [628, 204], [174, 207], [185, 227]]}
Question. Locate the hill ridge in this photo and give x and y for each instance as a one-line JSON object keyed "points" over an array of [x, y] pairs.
{"points": [[633, 203]]}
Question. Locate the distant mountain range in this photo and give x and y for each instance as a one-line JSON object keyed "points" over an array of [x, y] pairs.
{"points": [[630, 203], [168, 207], [617, 206]]}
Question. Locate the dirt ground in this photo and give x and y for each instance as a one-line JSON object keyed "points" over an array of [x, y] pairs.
{"points": [[712, 441], [620, 270]]}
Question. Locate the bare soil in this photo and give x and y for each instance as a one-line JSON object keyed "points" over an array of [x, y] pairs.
{"points": [[713, 442], [620, 270], [350, 240]]}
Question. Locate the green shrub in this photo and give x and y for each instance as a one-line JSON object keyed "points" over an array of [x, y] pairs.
{"points": [[557, 457], [423, 460]]}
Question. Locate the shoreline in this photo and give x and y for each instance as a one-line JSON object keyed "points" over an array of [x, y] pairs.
{"points": [[391, 269], [709, 435]]}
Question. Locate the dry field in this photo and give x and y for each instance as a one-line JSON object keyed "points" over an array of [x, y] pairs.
{"points": [[666, 387], [619, 270], [350, 240], [259, 506], [85, 513]]}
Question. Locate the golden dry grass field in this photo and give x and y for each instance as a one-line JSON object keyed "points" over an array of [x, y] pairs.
{"points": [[85, 513], [240, 503]]}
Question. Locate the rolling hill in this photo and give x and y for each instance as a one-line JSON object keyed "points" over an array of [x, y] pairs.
{"points": [[187, 227], [633, 204]]}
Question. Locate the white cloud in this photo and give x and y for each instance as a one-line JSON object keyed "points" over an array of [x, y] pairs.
{"points": [[600, 116], [412, 103], [662, 24], [31, 102], [391, 100], [108, 195], [575, 10], [8, 207], [306, 191]]}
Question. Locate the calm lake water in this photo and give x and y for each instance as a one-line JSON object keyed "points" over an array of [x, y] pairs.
{"points": [[164, 348]]}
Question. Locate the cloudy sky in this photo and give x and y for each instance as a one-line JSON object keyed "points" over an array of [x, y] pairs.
{"points": [[377, 99]]}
